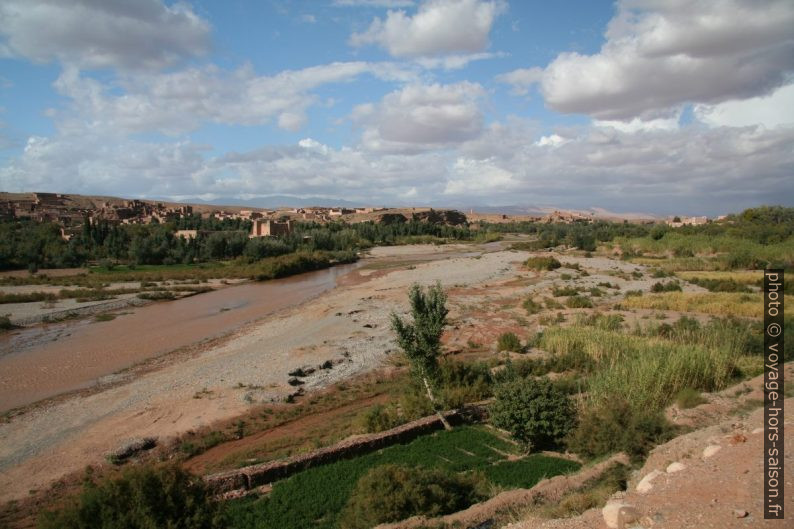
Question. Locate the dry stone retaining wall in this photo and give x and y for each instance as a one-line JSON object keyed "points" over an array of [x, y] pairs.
{"points": [[251, 477]]}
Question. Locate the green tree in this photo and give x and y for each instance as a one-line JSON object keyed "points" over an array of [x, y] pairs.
{"points": [[534, 411], [421, 340], [390, 493], [142, 498]]}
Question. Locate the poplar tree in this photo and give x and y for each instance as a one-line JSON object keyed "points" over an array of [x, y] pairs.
{"points": [[421, 339]]}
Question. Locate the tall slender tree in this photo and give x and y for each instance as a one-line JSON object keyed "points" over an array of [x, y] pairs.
{"points": [[421, 339]]}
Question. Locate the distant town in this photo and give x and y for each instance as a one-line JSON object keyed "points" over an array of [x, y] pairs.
{"points": [[72, 211]]}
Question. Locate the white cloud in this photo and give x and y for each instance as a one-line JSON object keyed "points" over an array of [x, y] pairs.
{"points": [[439, 27], [181, 101], [552, 140], [420, 117], [638, 124], [522, 79], [660, 55], [477, 177], [144, 34], [453, 62], [774, 110], [689, 170], [373, 3]]}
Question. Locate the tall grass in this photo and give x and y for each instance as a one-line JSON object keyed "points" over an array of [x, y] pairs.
{"points": [[735, 252], [716, 303], [643, 371], [744, 277]]}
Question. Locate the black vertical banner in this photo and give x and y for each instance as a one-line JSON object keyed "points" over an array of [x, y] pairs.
{"points": [[773, 395]]}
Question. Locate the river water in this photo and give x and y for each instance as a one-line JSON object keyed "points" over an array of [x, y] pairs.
{"points": [[47, 360], [44, 361]]}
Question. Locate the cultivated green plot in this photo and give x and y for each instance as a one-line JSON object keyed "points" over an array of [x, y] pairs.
{"points": [[315, 498]]}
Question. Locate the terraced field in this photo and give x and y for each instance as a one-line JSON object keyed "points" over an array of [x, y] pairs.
{"points": [[314, 498]]}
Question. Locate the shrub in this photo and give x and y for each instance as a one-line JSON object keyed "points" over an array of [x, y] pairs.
{"points": [[564, 291], [531, 306], [508, 341], [378, 418], [542, 263], [390, 493], [579, 302], [534, 411], [142, 497], [670, 286], [720, 285], [618, 427], [463, 382], [552, 304]]}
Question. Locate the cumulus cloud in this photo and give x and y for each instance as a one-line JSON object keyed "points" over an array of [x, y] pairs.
{"points": [[420, 117], [144, 34], [659, 55], [688, 170], [774, 110], [522, 79], [439, 27], [180, 101]]}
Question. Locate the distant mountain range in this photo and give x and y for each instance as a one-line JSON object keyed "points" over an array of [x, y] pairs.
{"points": [[287, 201]]}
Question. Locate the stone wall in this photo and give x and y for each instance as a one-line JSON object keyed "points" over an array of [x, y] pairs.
{"points": [[254, 476]]}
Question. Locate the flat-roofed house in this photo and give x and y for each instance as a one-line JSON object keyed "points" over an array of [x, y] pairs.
{"points": [[270, 228]]}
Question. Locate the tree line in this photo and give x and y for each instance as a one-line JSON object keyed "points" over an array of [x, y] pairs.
{"points": [[33, 245]]}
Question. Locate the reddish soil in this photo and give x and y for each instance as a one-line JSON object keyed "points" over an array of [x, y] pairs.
{"points": [[296, 431]]}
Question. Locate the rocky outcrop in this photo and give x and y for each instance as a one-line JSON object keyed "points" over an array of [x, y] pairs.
{"points": [[391, 218], [450, 217]]}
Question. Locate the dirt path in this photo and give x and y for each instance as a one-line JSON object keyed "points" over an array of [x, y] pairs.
{"points": [[292, 432]]}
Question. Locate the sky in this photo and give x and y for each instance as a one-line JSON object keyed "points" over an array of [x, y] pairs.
{"points": [[663, 107]]}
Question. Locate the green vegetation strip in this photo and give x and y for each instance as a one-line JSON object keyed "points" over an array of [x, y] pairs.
{"points": [[315, 498]]}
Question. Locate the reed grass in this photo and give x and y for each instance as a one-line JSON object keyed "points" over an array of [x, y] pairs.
{"points": [[644, 371], [737, 304], [744, 277]]}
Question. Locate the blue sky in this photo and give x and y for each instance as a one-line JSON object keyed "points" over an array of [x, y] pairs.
{"points": [[666, 107]]}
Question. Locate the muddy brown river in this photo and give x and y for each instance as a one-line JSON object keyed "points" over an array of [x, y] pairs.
{"points": [[45, 361]]}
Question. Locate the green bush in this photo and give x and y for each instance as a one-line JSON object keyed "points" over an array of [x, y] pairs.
{"points": [[508, 341], [616, 427], [534, 411], [720, 285], [378, 418], [542, 263], [463, 382], [579, 302], [670, 286], [390, 493], [142, 498]]}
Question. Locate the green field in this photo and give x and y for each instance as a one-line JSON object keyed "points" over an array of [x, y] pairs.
{"points": [[314, 498]]}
